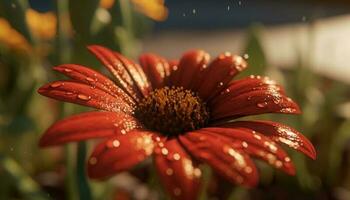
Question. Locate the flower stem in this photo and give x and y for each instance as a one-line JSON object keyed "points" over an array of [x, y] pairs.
{"points": [[83, 185]]}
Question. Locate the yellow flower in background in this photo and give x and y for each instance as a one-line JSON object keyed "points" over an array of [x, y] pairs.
{"points": [[11, 38], [154, 9], [107, 4], [41, 25]]}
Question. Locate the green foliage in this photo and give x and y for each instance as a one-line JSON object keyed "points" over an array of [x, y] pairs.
{"points": [[24, 115]]}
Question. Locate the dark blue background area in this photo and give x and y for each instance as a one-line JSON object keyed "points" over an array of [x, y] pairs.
{"points": [[216, 14]]}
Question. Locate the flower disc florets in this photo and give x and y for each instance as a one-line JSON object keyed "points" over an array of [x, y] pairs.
{"points": [[172, 111]]}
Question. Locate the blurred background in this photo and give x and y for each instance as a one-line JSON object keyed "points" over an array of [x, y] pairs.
{"points": [[303, 44]]}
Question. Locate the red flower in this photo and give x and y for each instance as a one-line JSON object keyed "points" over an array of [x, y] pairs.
{"points": [[181, 113]]}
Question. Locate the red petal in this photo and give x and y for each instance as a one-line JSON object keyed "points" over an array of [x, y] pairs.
{"points": [[176, 170], [88, 125], [279, 133], [116, 67], [253, 103], [219, 73], [94, 79], [256, 145], [156, 68], [190, 69], [221, 155], [239, 87], [84, 95], [137, 74], [120, 153]]}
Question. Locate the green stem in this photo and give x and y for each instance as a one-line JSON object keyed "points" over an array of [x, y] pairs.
{"points": [[83, 185], [70, 176]]}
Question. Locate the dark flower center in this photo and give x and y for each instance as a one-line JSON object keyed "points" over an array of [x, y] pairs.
{"points": [[172, 111]]}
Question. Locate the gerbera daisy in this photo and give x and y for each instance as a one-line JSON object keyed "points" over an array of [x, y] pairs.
{"points": [[180, 112]]}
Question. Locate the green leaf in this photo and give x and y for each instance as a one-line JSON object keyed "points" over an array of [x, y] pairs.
{"points": [[27, 187], [82, 14], [254, 50], [342, 137]]}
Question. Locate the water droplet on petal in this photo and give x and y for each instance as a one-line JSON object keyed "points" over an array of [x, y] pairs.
{"points": [[84, 97], [245, 144], [67, 70], [57, 84], [248, 170], [169, 171], [93, 161], [278, 164], [287, 159], [177, 191], [116, 143], [262, 105], [165, 151], [90, 79], [176, 156]]}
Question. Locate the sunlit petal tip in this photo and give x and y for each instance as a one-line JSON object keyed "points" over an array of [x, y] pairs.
{"points": [[120, 153], [178, 173]]}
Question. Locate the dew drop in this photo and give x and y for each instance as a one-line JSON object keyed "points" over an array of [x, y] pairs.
{"points": [[93, 161], [90, 79], [262, 105], [278, 164], [177, 191], [116, 143], [84, 97], [244, 144], [176, 156], [165, 151], [248, 170], [287, 159], [57, 84], [169, 171], [67, 70]]}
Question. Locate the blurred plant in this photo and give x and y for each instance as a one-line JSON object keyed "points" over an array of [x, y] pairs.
{"points": [[154, 9], [28, 50], [11, 38]]}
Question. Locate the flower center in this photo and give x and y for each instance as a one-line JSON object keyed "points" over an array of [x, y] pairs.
{"points": [[172, 111]]}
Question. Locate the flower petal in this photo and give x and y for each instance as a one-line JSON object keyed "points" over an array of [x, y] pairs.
{"points": [[257, 145], [176, 170], [120, 153], [190, 69], [262, 101], [88, 125], [86, 95], [239, 87], [116, 67], [219, 73], [218, 152], [136, 73], [94, 79], [156, 68], [280, 133]]}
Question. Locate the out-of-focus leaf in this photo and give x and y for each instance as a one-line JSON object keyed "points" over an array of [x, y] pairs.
{"points": [[342, 137], [14, 11], [28, 188], [82, 14], [254, 53]]}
